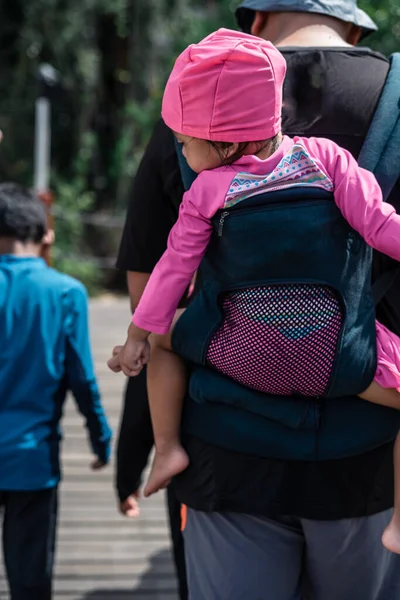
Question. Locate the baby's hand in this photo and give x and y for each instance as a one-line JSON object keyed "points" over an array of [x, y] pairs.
{"points": [[130, 358], [133, 356], [114, 362]]}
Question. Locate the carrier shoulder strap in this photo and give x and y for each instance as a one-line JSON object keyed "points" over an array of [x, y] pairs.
{"points": [[381, 149], [381, 154]]}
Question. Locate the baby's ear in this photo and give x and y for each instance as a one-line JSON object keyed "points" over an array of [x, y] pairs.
{"points": [[231, 151]]}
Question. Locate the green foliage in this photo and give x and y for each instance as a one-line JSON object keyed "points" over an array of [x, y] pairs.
{"points": [[114, 57], [386, 14], [86, 271], [73, 199]]}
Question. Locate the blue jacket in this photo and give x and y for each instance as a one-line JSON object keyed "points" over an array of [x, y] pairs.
{"points": [[44, 351]]}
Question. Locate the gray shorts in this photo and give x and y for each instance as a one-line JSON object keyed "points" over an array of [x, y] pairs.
{"points": [[233, 556]]}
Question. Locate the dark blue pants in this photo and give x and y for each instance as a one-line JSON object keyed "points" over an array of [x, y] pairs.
{"points": [[29, 533]]}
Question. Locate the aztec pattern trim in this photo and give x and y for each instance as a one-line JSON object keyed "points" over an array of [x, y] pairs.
{"points": [[296, 168]]}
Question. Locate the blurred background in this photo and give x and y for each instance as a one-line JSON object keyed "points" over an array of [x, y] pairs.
{"points": [[110, 61]]}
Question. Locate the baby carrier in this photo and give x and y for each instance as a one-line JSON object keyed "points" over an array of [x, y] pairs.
{"points": [[281, 336]]}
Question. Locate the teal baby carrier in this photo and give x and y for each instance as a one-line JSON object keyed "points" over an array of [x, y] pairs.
{"points": [[281, 336]]}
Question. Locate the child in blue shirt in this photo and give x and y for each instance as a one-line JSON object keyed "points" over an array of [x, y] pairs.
{"points": [[44, 352]]}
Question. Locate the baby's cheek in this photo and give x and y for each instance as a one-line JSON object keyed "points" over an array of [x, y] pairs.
{"points": [[195, 164]]}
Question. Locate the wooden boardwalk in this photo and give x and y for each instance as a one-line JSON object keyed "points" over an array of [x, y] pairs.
{"points": [[101, 555]]}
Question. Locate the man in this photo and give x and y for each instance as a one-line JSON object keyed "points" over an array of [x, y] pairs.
{"points": [[44, 351], [134, 446], [258, 527]]}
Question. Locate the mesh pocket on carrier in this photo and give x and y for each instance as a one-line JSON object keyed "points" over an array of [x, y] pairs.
{"points": [[280, 339]]}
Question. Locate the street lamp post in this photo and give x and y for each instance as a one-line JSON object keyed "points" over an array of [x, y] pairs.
{"points": [[48, 77]]}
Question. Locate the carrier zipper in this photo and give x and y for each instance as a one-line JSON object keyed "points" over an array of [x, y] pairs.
{"points": [[221, 222], [251, 209]]}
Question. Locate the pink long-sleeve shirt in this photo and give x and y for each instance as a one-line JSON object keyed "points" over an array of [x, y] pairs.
{"points": [[298, 161]]}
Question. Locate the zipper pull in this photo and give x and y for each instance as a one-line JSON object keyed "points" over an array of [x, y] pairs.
{"points": [[221, 222]]}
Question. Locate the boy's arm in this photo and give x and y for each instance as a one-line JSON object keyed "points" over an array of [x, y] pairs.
{"points": [[80, 374]]}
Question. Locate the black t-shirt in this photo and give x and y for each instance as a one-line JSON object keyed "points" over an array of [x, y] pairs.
{"points": [[332, 93]]}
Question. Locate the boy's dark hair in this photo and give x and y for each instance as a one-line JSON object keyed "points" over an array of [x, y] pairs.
{"points": [[22, 214]]}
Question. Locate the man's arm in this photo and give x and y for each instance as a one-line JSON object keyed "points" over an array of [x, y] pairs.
{"points": [[153, 206], [151, 214], [136, 283], [80, 373], [135, 439]]}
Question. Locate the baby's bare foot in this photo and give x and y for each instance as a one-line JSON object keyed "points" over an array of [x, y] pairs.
{"points": [[391, 537], [165, 466]]}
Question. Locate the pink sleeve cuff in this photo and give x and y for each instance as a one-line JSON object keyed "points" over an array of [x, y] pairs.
{"points": [[151, 327]]}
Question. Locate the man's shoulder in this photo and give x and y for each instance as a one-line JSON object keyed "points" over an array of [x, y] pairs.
{"points": [[161, 142], [333, 93], [347, 63], [158, 174], [350, 51]]}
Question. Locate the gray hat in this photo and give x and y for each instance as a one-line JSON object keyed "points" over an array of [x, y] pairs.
{"points": [[345, 10]]}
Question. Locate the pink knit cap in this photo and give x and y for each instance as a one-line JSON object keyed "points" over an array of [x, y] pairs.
{"points": [[227, 88]]}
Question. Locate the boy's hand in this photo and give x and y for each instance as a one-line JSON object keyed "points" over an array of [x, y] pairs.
{"points": [[130, 507]]}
